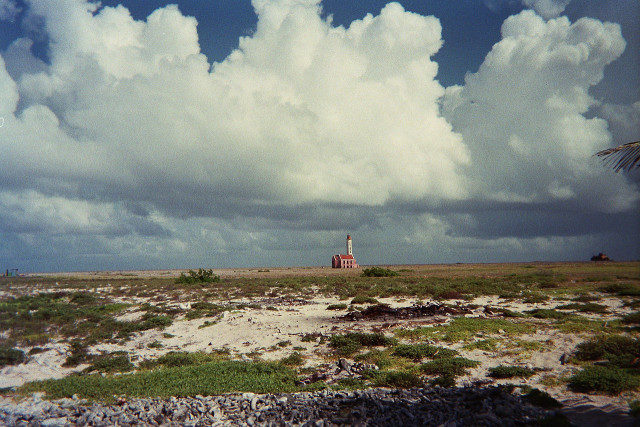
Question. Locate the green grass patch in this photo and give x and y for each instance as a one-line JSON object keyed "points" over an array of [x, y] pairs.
{"points": [[510, 372], [210, 378]]}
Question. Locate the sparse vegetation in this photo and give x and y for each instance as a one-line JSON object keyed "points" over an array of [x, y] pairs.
{"points": [[337, 307]]}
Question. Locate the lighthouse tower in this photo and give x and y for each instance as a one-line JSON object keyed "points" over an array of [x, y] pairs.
{"points": [[345, 261]]}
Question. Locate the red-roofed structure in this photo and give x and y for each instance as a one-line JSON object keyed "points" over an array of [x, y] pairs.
{"points": [[345, 261]]}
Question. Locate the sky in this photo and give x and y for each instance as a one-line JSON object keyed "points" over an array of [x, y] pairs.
{"points": [[228, 133]]}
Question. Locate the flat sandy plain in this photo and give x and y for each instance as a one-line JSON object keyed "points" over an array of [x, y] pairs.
{"points": [[530, 316]]}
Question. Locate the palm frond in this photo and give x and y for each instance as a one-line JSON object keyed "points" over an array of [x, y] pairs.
{"points": [[622, 157]]}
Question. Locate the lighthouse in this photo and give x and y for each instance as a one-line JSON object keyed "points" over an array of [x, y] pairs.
{"points": [[345, 261]]}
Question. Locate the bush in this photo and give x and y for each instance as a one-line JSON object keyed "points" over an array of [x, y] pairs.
{"points": [[364, 300], [510, 372], [547, 313], [634, 408], [448, 366], [337, 307], [294, 359], [542, 399], [398, 379], [607, 379], [200, 276], [113, 362], [632, 318], [79, 354], [589, 307], [619, 350], [419, 351], [621, 289], [11, 356], [378, 272]]}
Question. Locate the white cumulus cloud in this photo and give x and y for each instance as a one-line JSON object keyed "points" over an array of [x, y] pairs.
{"points": [[522, 115]]}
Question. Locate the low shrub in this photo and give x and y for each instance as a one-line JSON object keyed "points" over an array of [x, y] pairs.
{"points": [[78, 354], [200, 276], [547, 313], [113, 362], [619, 350], [448, 366], [419, 351], [590, 307], [11, 356], [542, 399], [621, 289], [510, 372], [607, 379], [364, 300], [631, 319], [378, 272], [294, 359], [337, 307], [634, 408], [397, 379]]}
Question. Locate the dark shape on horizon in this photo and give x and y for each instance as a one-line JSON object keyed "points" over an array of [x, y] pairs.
{"points": [[623, 157], [600, 257]]}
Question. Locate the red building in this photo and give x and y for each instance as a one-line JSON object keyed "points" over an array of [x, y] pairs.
{"points": [[345, 261]]}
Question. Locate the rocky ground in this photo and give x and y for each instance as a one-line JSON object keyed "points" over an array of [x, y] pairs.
{"points": [[433, 406]]}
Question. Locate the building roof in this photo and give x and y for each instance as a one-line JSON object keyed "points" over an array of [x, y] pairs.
{"points": [[345, 256]]}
